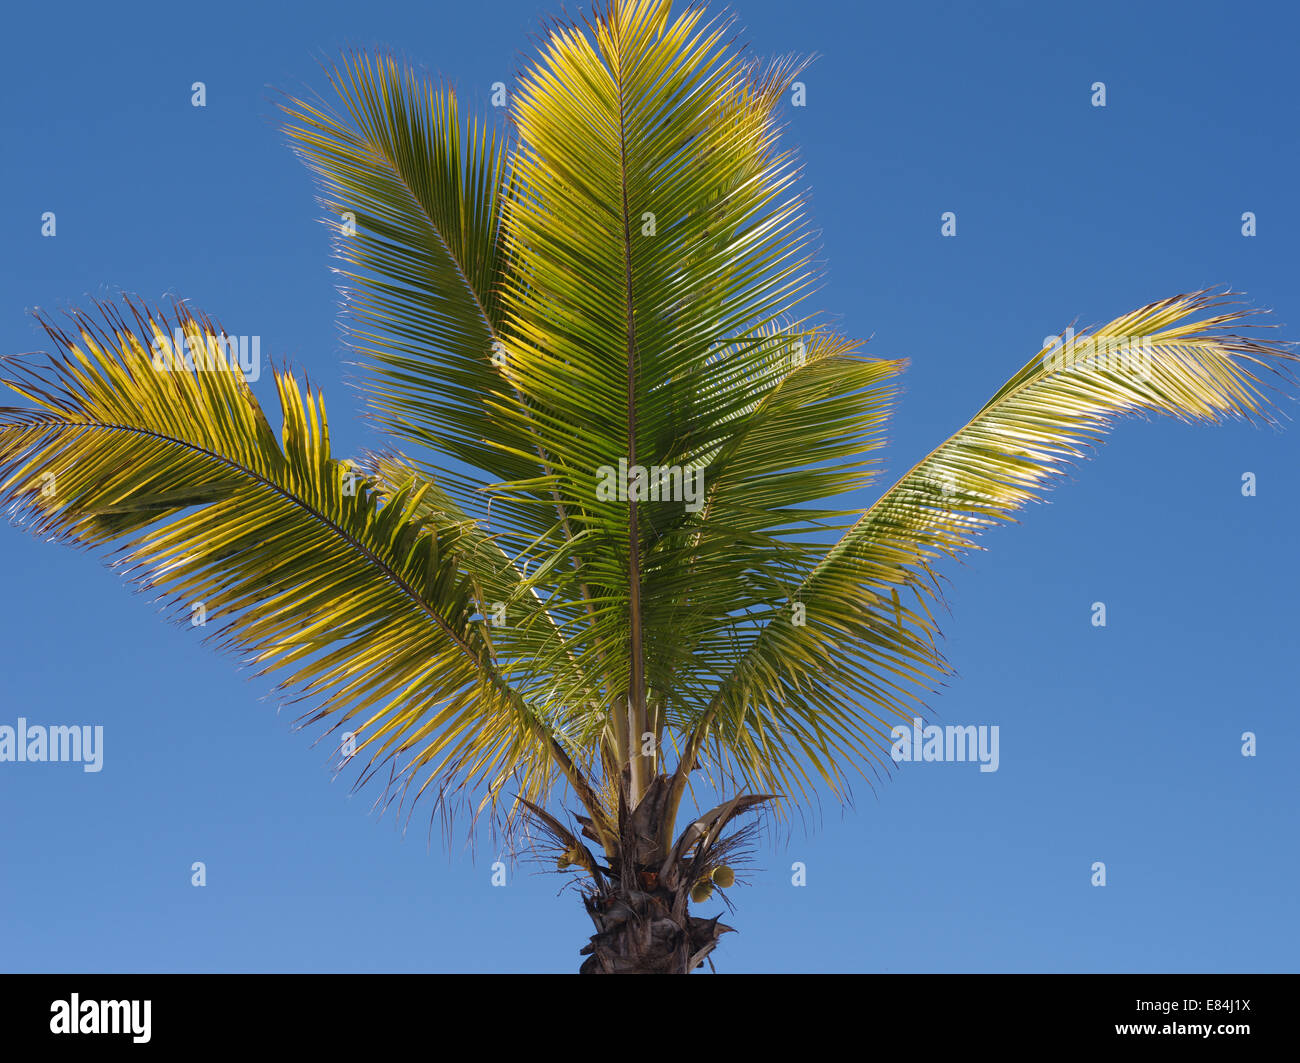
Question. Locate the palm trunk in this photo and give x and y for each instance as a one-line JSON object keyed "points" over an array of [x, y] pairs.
{"points": [[646, 929]]}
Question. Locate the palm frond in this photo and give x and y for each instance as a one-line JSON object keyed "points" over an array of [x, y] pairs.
{"points": [[365, 604], [415, 197], [638, 306], [827, 693]]}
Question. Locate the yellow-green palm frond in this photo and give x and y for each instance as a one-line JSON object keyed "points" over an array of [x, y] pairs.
{"points": [[808, 699], [145, 436]]}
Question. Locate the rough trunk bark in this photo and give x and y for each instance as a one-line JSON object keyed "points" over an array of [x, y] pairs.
{"points": [[646, 930], [640, 902]]}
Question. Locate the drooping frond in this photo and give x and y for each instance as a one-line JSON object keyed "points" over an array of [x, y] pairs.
{"points": [[828, 692], [146, 437]]}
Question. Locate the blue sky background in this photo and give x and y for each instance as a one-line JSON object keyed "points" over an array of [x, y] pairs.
{"points": [[1119, 744]]}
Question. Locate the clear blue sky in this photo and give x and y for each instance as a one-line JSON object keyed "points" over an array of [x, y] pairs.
{"points": [[1119, 744]]}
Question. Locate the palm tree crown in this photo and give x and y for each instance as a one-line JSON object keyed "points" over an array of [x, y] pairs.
{"points": [[615, 541]]}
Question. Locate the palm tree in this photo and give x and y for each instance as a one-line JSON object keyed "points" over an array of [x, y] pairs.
{"points": [[620, 566]]}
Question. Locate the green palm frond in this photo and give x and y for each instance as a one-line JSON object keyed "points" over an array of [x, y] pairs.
{"points": [[801, 690], [415, 198], [639, 305], [364, 602]]}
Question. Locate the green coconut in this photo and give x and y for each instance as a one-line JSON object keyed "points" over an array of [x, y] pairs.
{"points": [[724, 876], [701, 891]]}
